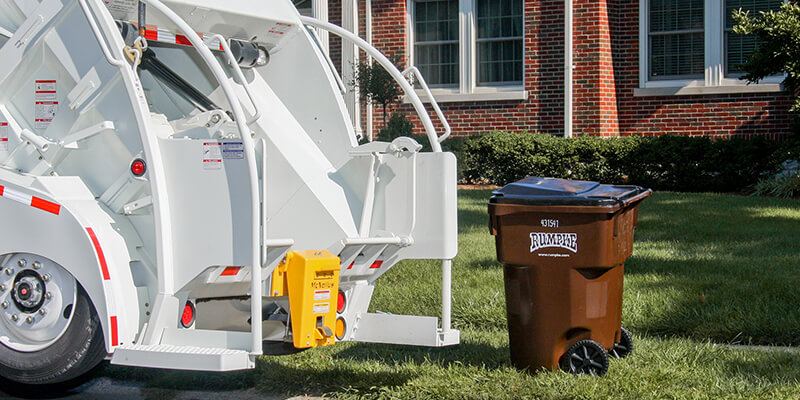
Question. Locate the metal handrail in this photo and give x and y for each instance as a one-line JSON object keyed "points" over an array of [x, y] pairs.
{"points": [[239, 75], [418, 75], [398, 76], [99, 36]]}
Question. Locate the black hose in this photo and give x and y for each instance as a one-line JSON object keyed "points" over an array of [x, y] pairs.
{"points": [[142, 18]]}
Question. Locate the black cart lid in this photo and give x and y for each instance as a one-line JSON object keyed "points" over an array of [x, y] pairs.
{"points": [[562, 192]]}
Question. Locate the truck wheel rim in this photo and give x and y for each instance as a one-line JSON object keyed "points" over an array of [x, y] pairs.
{"points": [[36, 301]]}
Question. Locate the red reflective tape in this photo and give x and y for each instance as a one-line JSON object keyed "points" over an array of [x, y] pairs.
{"points": [[180, 39], [376, 265], [114, 332], [230, 271], [150, 34], [45, 205], [351, 265], [2, 189], [100, 254]]}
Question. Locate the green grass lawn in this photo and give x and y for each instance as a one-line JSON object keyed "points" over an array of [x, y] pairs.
{"points": [[707, 271]]}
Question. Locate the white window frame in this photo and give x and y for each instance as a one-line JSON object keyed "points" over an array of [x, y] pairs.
{"points": [[467, 88], [715, 81]]}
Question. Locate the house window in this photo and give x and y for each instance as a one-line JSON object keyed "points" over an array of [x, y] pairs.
{"points": [[499, 42], [739, 47], [676, 39], [436, 44], [468, 46], [690, 42]]}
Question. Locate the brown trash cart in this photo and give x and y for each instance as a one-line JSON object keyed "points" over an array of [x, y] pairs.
{"points": [[564, 244]]}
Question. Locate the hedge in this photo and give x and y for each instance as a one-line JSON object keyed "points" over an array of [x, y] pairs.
{"points": [[678, 163]]}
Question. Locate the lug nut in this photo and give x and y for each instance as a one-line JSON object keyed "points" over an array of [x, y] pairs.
{"points": [[21, 262], [14, 317], [9, 271], [46, 277], [48, 295], [2, 288], [42, 311], [37, 265], [29, 320], [4, 304]]}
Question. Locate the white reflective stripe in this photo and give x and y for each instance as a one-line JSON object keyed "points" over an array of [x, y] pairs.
{"points": [[112, 305], [17, 196], [166, 36]]}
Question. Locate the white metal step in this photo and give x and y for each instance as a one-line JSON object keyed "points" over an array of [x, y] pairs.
{"points": [[182, 357]]}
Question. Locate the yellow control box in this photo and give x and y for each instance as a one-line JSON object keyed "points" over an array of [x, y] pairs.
{"points": [[311, 279]]}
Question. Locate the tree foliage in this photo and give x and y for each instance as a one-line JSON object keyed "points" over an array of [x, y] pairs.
{"points": [[778, 33], [376, 84]]}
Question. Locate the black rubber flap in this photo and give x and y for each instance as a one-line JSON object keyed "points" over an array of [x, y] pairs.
{"points": [[562, 192]]}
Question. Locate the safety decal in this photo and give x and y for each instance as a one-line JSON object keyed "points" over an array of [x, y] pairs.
{"points": [[279, 29], [212, 155], [233, 150], [120, 9], [543, 240], [46, 104], [322, 295], [3, 136], [321, 308]]}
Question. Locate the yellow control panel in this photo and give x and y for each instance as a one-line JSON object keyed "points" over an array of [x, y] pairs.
{"points": [[311, 279]]}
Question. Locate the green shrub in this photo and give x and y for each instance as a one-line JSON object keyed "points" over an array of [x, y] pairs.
{"points": [[664, 162], [397, 126], [778, 186]]}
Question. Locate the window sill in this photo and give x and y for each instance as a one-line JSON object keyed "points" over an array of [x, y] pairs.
{"points": [[451, 96], [704, 90]]}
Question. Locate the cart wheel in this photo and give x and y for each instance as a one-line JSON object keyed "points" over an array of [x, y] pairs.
{"points": [[625, 345], [585, 357]]}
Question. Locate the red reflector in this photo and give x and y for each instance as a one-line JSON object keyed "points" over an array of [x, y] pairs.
{"points": [[340, 303], [376, 264], [45, 205], [230, 271], [138, 167], [351, 265], [180, 39], [187, 318], [114, 332]]}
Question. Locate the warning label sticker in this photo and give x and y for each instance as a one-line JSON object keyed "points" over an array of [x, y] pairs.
{"points": [[121, 9], [3, 136], [322, 295], [279, 29], [321, 308], [46, 106], [233, 150], [212, 155]]}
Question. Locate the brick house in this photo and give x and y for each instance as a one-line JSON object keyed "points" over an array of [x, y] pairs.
{"points": [[640, 67]]}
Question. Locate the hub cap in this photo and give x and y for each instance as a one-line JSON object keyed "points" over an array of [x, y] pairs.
{"points": [[36, 299]]}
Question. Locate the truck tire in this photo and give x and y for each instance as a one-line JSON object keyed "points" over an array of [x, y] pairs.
{"points": [[64, 364]]}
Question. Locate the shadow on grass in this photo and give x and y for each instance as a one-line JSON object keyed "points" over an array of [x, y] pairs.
{"points": [[466, 353], [166, 379], [279, 378]]}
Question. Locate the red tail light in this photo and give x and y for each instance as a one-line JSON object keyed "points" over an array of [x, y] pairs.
{"points": [[340, 302], [187, 318], [138, 167]]}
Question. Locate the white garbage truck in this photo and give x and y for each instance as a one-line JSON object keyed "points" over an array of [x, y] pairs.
{"points": [[181, 187]]}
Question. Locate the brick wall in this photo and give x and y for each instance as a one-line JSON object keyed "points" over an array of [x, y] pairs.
{"points": [[606, 72]]}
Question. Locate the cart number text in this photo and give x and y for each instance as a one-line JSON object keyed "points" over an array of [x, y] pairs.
{"points": [[550, 223]]}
